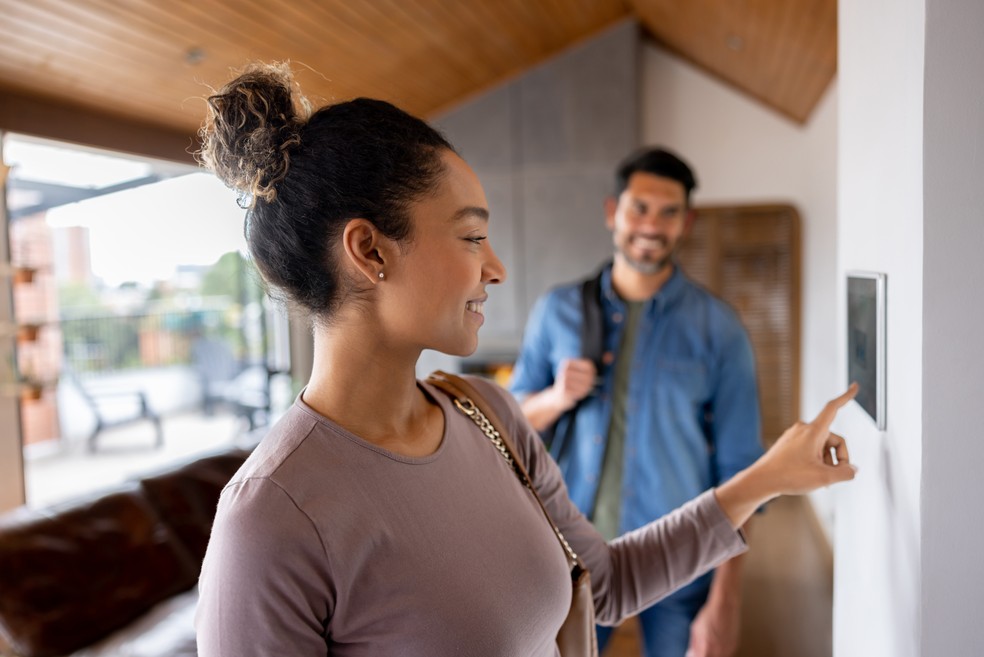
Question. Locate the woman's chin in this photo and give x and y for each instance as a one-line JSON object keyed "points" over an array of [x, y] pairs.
{"points": [[461, 350]]}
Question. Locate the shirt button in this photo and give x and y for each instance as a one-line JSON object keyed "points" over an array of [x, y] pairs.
{"points": [[616, 317], [597, 440], [589, 478]]}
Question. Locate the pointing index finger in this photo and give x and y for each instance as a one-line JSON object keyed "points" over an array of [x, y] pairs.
{"points": [[829, 412]]}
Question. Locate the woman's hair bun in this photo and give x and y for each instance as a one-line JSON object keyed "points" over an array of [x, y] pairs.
{"points": [[252, 124]]}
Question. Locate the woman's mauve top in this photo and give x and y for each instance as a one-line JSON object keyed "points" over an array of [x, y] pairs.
{"points": [[324, 543]]}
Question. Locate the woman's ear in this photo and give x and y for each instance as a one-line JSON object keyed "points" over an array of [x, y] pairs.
{"points": [[365, 248]]}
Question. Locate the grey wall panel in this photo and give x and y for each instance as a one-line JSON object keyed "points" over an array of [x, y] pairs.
{"points": [[482, 131], [605, 121], [545, 114], [565, 235], [502, 312], [545, 147]]}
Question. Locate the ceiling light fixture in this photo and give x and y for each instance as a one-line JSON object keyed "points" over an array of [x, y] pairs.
{"points": [[735, 42]]}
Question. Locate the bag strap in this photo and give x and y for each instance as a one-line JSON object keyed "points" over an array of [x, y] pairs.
{"points": [[592, 348], [468, 400], [592, 322]]}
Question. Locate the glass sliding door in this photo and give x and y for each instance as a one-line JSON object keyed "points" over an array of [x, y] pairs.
{"points": [[141, 329]]}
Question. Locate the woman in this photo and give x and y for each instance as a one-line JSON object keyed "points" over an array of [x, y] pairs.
{"points": [[375, 519]]}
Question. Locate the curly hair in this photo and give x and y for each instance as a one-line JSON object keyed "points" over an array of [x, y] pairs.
{"points": [[302, 176]]}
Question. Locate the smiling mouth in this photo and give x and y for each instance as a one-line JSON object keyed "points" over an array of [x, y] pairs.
{"points": [[476, 307], [649, 243]]}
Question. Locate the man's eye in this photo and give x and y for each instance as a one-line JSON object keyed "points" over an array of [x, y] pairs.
{"points": [[477, 240]]}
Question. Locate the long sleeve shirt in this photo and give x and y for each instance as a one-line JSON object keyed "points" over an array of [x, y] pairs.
{"points": [[692, 415], [324, 543]]}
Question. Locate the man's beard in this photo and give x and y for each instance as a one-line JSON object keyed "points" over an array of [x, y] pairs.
{"points": [[647, 267]]}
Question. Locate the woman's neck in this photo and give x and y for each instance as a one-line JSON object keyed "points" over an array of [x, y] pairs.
{"points": [[371, 390]]}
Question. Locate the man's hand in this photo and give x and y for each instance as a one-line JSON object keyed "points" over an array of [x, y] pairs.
{"points": [[715, 631], [575, 379]]}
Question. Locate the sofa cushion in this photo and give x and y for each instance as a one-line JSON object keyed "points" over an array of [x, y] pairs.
{"points": [[167, 630], [186, 496], [71, 574]]}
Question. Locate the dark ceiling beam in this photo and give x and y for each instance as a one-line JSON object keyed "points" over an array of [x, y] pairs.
{"points": [[43, 117], [53, 195]]}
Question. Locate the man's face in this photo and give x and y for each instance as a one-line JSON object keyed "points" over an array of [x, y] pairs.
{"points": [[647, 221]]}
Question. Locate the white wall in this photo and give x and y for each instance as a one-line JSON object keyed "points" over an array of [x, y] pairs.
{"points": [[953, 351], [880, 228], [908, 570], [744, 152]]}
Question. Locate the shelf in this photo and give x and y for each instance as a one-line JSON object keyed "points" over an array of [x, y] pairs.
{"points": [[19, 274], [23, 331], [27, 391]]}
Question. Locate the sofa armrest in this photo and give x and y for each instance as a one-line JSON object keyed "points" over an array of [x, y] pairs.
{"points": [[73, 573], [167, 630], [186, 496]]}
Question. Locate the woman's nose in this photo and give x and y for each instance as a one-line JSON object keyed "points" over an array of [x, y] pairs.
{"points": [[493, 271]]}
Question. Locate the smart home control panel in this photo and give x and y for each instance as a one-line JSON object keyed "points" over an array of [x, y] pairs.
{"points": [[866, 341]]}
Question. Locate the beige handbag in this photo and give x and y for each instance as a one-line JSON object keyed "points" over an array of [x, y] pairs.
{"points": [[576, 637]]}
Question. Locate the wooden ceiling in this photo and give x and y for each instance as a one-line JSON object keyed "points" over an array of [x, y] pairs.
{"points": [[146, 63]]}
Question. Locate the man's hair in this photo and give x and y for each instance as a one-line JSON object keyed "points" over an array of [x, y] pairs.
{"points": [[658, 162]]}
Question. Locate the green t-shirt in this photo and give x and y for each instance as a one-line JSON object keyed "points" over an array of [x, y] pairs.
{"points": [[608, 503]]}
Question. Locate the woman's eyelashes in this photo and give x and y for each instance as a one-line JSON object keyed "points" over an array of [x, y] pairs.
{"points": [[477, 240]]}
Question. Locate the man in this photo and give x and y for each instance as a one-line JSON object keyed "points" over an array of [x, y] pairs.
{"points": [[673, 410]]}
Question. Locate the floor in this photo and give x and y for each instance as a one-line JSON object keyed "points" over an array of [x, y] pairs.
{"points": [[123, 452], [787, 593]]}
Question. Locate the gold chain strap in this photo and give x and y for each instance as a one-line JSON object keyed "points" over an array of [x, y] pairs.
{"points": [[468, 408]]}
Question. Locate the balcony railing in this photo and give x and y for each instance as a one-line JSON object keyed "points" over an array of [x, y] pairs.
{"points": [[107, 343]]}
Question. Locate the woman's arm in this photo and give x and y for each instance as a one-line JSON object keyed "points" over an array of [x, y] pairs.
{"points": [[263, 589], [799, 462], [639, 568]]}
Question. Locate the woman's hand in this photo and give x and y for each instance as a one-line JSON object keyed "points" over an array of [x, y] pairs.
{"points": [[806, 457]]}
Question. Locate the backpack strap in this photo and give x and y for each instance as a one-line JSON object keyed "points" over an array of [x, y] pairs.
{"points": [[592, 320], [592, 348]]}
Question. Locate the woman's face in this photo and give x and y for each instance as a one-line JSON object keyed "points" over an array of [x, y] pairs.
{"points": [[434, 292]]}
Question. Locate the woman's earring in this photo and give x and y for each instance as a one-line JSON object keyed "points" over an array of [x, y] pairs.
{"points": [[382, 275]]}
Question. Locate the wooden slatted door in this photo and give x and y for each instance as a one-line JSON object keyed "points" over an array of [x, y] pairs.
{"points": [[750, 257]]}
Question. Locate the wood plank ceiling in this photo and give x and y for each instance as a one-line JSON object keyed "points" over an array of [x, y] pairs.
{"points": [[149, 61]]}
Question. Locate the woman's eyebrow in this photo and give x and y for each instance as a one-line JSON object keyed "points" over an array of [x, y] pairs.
{"points": [[471, 211]]}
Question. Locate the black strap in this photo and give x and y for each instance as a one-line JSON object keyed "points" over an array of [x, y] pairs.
{"points": [[592, 320], [559, 435]]}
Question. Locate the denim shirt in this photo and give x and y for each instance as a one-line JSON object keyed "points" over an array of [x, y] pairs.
{"points": [[693, 410]]}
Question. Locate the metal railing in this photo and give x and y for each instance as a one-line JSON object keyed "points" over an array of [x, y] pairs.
{"points": [[100, 343]]}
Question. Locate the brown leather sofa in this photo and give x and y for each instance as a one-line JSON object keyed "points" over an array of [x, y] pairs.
{"points": [[114, 573]]}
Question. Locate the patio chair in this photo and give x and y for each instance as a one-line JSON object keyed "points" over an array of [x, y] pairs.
{"points": [[113, 407], [242, 387]]}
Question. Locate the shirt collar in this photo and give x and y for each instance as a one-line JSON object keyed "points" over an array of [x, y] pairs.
{"points": [[670, 291]]}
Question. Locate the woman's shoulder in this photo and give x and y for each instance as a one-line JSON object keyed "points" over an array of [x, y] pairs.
{"points": [[506, 408], [503, 404], [294, 461]]}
